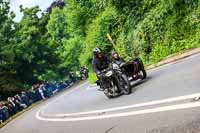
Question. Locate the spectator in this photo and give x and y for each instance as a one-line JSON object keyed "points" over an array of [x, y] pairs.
{"points": [[19, 102], [17, 97], [41, 92], [12, 105], [25, 99], [11, 109], [6, 114], [31, 96], [1, 114], [47, 90], [53, 88], [36, 93]]}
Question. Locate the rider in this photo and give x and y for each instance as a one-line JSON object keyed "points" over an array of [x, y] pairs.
{"points": [[116, 58], [83, 71], [100, 62]]}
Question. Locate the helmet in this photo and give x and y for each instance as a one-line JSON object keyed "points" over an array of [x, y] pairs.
{"points": [[96, 51]]}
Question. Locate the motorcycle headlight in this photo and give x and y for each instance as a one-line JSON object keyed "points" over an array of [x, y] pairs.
{"points": [[109, 73]]}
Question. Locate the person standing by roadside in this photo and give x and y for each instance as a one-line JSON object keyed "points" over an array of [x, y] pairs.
{"points": [[6, 114], [1, 114], [24, 98], [12, 104], [41, 91]]}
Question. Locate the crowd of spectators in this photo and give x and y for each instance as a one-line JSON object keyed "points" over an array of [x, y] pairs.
{"points": [[21, 101]]}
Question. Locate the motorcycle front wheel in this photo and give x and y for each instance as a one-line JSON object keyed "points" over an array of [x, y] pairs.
{"points": [[108, 94]]}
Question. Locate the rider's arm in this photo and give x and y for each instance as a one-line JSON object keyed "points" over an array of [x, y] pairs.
{"points": [[94, 66]]}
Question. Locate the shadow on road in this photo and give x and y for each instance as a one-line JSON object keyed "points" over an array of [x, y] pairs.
{"points": [[136, 84]]}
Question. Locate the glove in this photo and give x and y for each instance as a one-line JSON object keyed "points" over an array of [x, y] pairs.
{"points": [[98, 73]]}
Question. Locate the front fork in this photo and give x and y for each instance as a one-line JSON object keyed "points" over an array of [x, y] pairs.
{"points": [[112, 90]]}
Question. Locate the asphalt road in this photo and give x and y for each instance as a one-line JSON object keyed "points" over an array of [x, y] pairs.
{"points": [[163, 103]]}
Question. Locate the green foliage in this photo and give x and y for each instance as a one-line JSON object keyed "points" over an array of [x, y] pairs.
{"points": [[163, 24], [31, 56], [57, 28], [6, 54], [105, 23], [78, 15], [92, 77], [71, 53], [49, 75], [25, 54]]}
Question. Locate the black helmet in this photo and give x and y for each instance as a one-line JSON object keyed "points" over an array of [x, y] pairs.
{"points": [[96, 51]]}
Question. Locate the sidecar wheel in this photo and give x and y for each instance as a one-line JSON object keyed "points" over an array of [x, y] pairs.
{"points": [[143, 71], [144, 74]]}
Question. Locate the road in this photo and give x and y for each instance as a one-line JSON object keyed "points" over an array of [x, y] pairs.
{"points": [[163, 103]]}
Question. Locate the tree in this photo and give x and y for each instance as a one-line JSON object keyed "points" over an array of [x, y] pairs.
{"points": [[33, 53], [105, 23], [57, 28], [7, 78]]}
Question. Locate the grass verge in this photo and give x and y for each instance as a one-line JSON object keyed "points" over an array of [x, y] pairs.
{"points": [[92, 77]]}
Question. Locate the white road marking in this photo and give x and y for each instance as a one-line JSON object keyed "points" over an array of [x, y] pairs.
{"points": [[131, 113], [168, 100]]}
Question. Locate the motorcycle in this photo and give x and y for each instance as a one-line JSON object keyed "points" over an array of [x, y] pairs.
{"points": [[115, 82], [84, 74]]}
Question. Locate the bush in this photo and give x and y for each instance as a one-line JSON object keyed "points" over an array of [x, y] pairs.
{"points": [[92, 77]]}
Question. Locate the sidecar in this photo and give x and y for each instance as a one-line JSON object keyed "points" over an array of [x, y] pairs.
{"points": [[134, 69]]}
